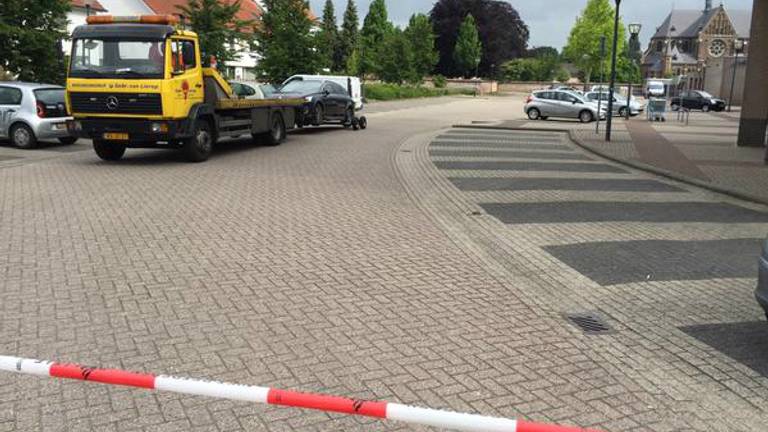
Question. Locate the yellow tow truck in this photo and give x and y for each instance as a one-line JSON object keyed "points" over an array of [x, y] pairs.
{"points": [[138, 82]]}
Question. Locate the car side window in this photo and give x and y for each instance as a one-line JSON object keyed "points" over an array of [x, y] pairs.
{"points": [[340, 89], [10, 96]]}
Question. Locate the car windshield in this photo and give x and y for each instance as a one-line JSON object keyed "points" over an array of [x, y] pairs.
{"points": [[97, 58], [302, 87], [267, 89], [50, 96]]}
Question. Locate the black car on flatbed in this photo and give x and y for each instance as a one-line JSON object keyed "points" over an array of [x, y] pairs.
{"points": [[697, 100]]}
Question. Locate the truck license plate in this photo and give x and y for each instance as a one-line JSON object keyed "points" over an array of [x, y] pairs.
{"points": [[116, 136]]}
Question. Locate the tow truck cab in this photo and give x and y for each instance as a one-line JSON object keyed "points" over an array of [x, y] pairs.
{"points": [[138, 82]]}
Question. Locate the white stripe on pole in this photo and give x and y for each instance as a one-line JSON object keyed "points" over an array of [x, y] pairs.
{"points": [[449, 420], [212, 389], [26, 366]]}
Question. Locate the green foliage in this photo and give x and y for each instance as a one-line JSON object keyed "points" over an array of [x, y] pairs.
{"points": [[469, 49], [422, 40], [439, 81], [31, 34], [376, 26], [562, 75], [396, 59], [328, 38], [543, 51], [394, 91], [628, 70], [583, 48], [545, 67], [285, 41], [217, 25], [349, 39]]}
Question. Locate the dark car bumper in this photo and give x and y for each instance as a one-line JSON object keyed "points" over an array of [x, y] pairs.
{"points": [[141, 133], [761, 293]]}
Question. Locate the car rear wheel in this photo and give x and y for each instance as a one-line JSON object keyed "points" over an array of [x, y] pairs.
{"points": [[276, 134], [68, 140], [705, 108], [198, 148], [534, 114], [108, 150], [319, 115], [622, 112], [585, 116], [23, 137]]}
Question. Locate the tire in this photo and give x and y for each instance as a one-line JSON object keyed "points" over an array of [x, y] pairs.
{"points": [[675, 107], [198, 148], [68, 140], [23, 137], [108, 150], [363, 122], [318, 115], [534, 114], [705, 108], [622, 112], [586, 116], [276, 134]]}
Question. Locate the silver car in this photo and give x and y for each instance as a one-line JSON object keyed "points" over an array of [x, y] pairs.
{"points": [[542, 104], [252, 89], [32, 112], [619, 103]]}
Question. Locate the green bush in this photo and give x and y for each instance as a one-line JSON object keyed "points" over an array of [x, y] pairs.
{"points": [[383, 92], [439, 81]]}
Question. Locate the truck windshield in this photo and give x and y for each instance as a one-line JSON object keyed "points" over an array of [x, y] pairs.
{"points": [[97, 58]]}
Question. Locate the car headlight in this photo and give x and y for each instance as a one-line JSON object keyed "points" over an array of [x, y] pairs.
{"points": [[308, 98], [159, 127]]}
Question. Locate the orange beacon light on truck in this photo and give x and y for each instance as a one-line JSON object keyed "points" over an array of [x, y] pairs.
{"points": [[135, 19]]}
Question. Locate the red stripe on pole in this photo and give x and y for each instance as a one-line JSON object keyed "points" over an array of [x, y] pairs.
{"points": [[106, 376], [327, 403], [524, 426]]}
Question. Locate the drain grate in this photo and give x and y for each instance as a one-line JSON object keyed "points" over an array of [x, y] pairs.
{"points": [[590, 323]]}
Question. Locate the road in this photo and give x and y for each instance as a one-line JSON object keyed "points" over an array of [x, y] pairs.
{"points": [[411, 262]]}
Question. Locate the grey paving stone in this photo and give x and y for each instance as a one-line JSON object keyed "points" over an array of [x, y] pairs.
{"points": [[745, 342], [530, 138], [510, 154], [611, 263], [499, 144], [605, 211], [561, 183], [528, 166]]}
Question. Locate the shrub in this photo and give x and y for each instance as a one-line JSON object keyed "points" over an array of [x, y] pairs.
{"points": [[385, 92], [439, 81]]}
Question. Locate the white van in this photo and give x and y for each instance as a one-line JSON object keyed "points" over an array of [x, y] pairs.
{"points": [[654, 88], [344, 81]]}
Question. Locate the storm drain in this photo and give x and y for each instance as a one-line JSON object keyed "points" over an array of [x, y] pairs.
{"points": [[590, 323]]}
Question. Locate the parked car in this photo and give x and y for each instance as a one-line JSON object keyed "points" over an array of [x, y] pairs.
{"points": [[326, 102], [542, 104], [252, 89], [566, 88], [654, 89], [619, 103], [31, 112], [698, 100], [351, 84], [761, 293]]}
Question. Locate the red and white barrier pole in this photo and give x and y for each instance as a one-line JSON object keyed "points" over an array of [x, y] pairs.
{"points": [[265, 395]]}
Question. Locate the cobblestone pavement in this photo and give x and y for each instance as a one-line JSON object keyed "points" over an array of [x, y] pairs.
{"points": [[675, 287], [348, 263]]}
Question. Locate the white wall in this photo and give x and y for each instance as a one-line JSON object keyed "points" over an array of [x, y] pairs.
{"points": [[126, 7], [75, 17]]}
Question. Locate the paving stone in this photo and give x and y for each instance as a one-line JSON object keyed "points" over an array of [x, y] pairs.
{"points": [[509, 154], [562, 183], [529, 166]]}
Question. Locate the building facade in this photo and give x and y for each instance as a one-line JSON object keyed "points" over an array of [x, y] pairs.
{"points": [[706, 46]]}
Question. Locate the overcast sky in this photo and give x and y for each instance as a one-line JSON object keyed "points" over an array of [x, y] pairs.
{"points": [[549, 21]]}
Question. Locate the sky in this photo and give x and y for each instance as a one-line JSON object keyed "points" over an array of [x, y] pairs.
{"points": [[549, 21]]}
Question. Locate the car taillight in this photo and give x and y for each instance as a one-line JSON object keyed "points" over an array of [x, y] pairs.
{"points": [[40, 110], [528, 99]]}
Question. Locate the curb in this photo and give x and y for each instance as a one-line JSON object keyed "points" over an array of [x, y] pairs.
{"points": [[636, 165]]}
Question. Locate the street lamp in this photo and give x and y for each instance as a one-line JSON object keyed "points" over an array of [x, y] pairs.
{"points": [[738, 47], [634, 31], [613, 73]]}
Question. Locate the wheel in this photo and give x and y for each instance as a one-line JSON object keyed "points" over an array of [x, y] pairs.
{"points": [[108, 150], [23, 137], [675, 107], [363, 122], [318, 115], [705, 108], [586, 116], [198, 148], [534, 114], [622, 112], [68, 140], [276, 133]]}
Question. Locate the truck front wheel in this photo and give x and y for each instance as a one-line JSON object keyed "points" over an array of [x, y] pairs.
{"points": [[108, 150], [199, 146]]}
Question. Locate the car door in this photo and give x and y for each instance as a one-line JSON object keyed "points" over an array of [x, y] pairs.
{"points": [[550, 106], [570, 106], [690, 100], [10, 104]]}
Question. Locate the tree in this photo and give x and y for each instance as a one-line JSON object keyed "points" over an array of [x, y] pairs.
{"points": [[31, 33], [422, 39], [376, 26], [542, 51], [583, 48], [285, 41], [328, 38], [469, 49], [348, 41], [222, 34], [503, 33], [396, 59]]}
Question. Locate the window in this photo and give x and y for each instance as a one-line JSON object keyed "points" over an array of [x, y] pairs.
{"points": [[183, 55], [565, 97], [338, 89], [243, 90], [717, 48], [97, 58], [10, 96]]}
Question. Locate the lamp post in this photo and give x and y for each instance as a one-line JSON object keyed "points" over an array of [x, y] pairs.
{"points": [[608, 122], [600, 88], [634, 32], [738, 47]]}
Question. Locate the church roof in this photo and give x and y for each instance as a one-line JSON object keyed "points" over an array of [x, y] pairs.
{"points": [[687, 23]]}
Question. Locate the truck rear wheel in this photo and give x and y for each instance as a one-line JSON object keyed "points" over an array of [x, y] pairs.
{"points": [[108, 150], [199, 146], [276, 134]]}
